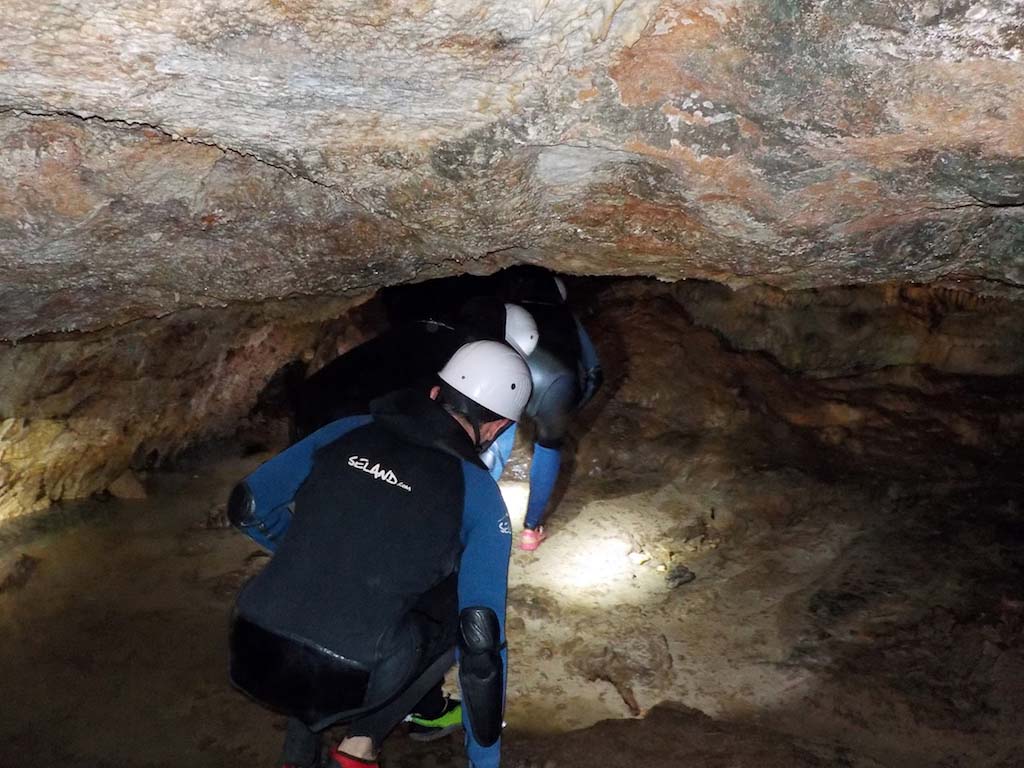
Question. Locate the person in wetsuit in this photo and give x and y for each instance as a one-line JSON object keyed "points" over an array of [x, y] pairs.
{"points": [[395, 554], [565, 371]]}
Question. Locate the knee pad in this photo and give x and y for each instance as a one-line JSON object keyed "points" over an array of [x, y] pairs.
{"points": [[480, 672]]}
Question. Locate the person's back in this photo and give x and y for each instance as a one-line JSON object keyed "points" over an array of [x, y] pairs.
{"points": [[371, 557], [397, 550], [537, 291]]}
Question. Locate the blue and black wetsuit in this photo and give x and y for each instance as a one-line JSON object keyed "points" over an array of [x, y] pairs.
{"points": [[397, 527]]}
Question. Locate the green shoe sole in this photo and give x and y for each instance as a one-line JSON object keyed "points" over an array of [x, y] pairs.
{"points": [[421, 729]]}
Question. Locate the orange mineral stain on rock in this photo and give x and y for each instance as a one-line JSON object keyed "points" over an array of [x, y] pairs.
{"points": [[723, 177], [845, 195], [57, 182], [655, 67], [875, 222], [636, 225], [952, 104], [824, 415]]}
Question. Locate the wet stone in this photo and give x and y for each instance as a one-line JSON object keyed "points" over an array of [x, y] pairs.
{"points": [[679, 575], [19, 573]]}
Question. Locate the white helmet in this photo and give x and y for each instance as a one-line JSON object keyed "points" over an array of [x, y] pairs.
{"points": [[520, 329], [490, 374]]}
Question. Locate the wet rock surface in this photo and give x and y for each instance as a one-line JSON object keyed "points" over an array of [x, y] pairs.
{"points": [[673, 735], [77, 411], [159, 158], [19, 573]]}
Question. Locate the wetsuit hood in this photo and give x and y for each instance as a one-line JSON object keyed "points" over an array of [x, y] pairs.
{"points": [[416, 418]]}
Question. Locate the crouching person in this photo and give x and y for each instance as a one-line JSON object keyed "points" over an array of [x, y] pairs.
{"points": [[390, 550]]}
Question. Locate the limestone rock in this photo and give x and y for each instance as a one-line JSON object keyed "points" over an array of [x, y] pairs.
{"points": [[19, 572], [672, 735], [197, 154], [846, 408], [841, 331], [75, 413], [127, 486]]}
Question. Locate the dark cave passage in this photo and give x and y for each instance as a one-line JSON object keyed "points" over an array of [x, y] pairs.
{"points": [[840, 470]]}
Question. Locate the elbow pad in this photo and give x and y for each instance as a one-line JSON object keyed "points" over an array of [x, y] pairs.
{"points": [[242, 506], [480, 672], [265, 528]]}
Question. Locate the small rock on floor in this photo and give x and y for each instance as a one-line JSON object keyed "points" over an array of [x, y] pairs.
{"points": [[678, 576], [128, 486], [19, 574]]}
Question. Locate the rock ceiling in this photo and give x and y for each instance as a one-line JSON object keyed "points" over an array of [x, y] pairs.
{"points": [[157, 155]]}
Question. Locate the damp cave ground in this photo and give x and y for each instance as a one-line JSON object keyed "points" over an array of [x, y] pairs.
{"points": [[865, 613], [868, 636]]}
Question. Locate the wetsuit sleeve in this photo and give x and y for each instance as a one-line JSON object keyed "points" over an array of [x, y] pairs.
{"points": [[483, 576], [543, 476], [273, 486], [593, 376]]}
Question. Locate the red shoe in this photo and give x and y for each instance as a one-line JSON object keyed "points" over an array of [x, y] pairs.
{"points": [[347, 761], [531, 538]]}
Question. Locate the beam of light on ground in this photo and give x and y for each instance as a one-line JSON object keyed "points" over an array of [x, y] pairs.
{"points": [[584, 563]]}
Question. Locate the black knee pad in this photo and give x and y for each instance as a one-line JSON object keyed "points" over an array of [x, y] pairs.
{"points": [[480, 672]]}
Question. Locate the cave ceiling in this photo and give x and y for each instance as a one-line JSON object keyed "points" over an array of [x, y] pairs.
{"points": [[161, 155]]}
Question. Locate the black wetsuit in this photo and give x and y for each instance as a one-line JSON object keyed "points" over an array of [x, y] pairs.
{"points": [[555, 369]]}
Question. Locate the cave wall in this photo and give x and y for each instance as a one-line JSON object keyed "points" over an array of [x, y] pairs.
{"points": [[76, 413], [159, 159], [846, 330], [781, 380], [161, 156], [884, 380]]}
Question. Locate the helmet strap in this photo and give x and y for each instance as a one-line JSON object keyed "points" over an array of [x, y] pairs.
{"points": [[484, 445], [477, 439], [474, 413]]}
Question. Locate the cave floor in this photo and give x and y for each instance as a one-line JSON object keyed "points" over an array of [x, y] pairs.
{"points": [[837, 626]]}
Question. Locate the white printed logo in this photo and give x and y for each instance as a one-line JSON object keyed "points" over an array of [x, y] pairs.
{"points": [[378, 473], [505, 526]]}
